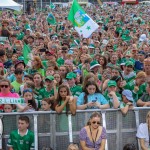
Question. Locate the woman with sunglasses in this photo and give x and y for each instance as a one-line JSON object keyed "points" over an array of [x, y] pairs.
{"points": [[5, 90], [143, 133], [93, 136]]}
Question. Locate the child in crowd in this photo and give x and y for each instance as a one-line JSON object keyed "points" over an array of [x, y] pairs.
{"points": [[30, 104], [46, 104]]}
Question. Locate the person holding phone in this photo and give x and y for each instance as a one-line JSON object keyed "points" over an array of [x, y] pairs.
{"points": [[30, 104], [91, 98]]}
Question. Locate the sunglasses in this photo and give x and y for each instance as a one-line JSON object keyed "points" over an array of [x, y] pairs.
{"points": [[94, 122], [27, 90], [2, 86], [109, 46]]}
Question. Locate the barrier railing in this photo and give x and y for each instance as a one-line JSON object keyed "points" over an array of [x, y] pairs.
{"points": [[57, 131]]}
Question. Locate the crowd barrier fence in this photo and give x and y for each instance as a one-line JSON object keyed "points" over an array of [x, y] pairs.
{"points": [[57, 131]]}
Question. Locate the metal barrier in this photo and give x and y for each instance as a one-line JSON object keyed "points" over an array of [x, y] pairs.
{"points": [[57, 131]]}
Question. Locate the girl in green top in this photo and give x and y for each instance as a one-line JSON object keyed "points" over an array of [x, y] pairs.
{"points": [[39, 85], [65, 101], [36, 66]]}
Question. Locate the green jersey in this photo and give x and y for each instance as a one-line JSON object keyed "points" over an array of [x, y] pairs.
{"points": [[76, 90], [110, 100], [18, 142], [46, 94], [130, 86]]}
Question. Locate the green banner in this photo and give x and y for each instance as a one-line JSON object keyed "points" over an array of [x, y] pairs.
{"points": [[11, 100]]}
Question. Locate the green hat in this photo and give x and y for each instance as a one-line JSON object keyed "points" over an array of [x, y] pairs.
{"points": [[71, 75], [49, 78], [129, 63], [93, 64], [21, 58], [111, 83], [91, 46], [99, 21], [1, 43]]}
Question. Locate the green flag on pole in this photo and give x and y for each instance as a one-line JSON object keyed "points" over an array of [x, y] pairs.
{"points": [[51, 19], [52, 6], [82, 23], [26, 52]]}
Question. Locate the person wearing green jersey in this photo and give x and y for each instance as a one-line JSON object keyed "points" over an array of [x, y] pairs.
{"points": [[128, 72], [111, 94], [50, 89], [75, 89], [137, 85], [21, 139]]}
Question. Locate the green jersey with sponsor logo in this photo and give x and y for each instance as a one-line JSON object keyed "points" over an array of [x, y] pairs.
{"points": [[76, 90], [18, 142]]}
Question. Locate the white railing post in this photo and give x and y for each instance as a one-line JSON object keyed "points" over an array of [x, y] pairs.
{"points": [[70, 128], [35, 132], [104, 125], [137, 124]]}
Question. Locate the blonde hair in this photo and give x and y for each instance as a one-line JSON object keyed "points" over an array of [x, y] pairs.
{"points": [[73, 145], [141, 74]]}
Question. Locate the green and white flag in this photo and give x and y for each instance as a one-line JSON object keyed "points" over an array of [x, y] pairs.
{"points": [[10, 100], [82, 23], [52, 6]]}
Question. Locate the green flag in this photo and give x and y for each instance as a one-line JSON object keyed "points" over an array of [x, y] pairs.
{"points": [[52, 6], [82, 23], [51, 19], [26, 52]]}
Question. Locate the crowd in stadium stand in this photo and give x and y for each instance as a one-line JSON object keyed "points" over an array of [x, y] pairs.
{"points": [[45, 62]]}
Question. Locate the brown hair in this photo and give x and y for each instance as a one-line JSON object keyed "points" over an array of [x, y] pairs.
{"points": [[38, 59]]}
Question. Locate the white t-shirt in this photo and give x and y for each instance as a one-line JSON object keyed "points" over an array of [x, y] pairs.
{"points": [[142, 133]]}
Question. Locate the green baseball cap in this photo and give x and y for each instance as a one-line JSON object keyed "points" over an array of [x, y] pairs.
{"points": [[111, 83], [129, 63], [1, 43], [49, 78], [71, 75]]}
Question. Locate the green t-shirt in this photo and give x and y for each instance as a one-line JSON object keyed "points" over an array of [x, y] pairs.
{"points": [[38, 96], [33, 71], [46, 94], [76, 90], [130, 86], [16, 86], [110, 100], [18, 142]]}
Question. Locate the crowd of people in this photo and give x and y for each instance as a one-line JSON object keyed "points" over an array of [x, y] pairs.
{"points": [[51, 67]]}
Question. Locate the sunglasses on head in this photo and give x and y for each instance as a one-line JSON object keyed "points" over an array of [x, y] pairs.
{"points": [[27, 90], [2, 86], [95, 122]]}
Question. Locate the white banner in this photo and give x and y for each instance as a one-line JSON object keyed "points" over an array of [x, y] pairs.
{"points": [[11, 100]]}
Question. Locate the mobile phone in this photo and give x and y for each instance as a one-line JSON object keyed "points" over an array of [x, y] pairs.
{"points": [[43, 50], [30, 102], [94, 101]]}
